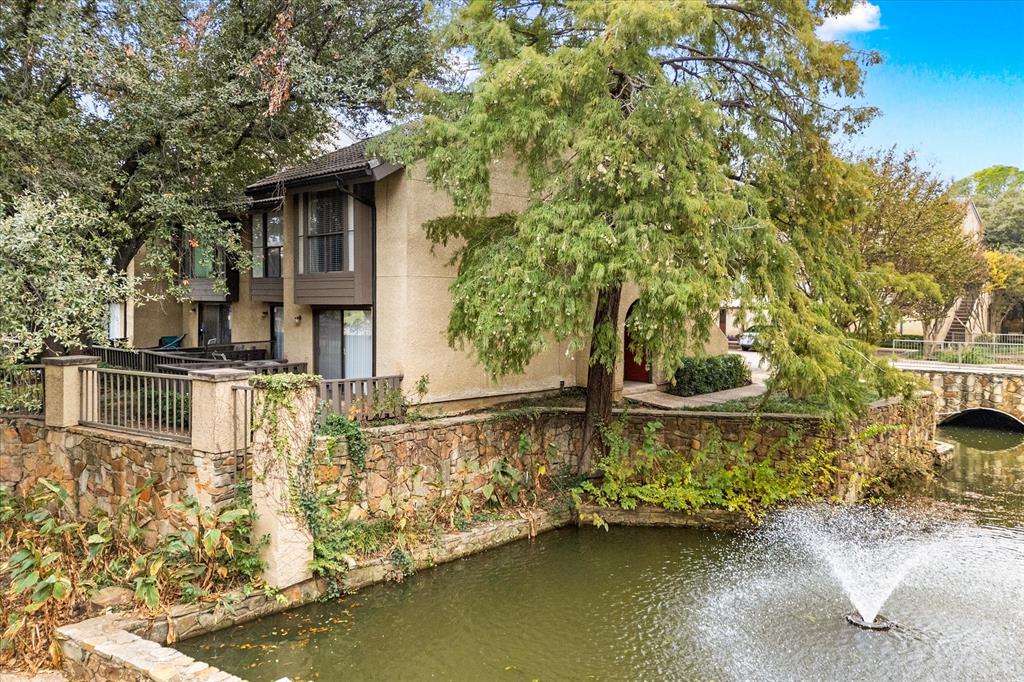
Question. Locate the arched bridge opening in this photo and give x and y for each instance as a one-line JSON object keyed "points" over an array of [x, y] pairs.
{"points": [[984, 417]]}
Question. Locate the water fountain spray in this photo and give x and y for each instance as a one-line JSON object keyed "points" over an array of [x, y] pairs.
{"points": [[869, 551]]}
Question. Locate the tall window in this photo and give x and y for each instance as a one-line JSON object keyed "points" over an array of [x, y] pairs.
{"points": [[117, 321], [344, 344], [267, 244], [327, 232]]}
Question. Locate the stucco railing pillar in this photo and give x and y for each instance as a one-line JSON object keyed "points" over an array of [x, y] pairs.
{"points": [[62, 385], [282, 434], [218, 425]]}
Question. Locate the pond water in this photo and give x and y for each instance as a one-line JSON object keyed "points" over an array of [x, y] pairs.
{"points": [[668, 604]]}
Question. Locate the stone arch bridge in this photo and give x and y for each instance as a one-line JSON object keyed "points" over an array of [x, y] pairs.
{"points": [[965, 388]]}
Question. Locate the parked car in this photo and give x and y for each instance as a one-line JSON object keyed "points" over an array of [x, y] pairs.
{"points": [[748, 339]]}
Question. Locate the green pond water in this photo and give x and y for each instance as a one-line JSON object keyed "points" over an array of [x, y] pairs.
{"points": [[670, 604]]}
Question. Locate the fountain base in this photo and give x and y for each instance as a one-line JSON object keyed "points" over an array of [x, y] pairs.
{"points": [[879, 623]]}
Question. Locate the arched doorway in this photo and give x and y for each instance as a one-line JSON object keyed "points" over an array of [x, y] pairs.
{"points": [[634, 368]]}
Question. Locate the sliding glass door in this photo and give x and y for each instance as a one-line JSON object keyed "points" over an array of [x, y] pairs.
{"points": [[344, 343]]}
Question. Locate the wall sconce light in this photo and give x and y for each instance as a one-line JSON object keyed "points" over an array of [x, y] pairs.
{"points": [[297, 319], [192, 308], [265, 313]]}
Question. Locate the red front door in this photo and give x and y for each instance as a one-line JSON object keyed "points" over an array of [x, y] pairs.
{"points": [[634, 368]]}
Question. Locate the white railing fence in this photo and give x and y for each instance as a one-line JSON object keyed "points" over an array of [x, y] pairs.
{"points": [[961, 352]]}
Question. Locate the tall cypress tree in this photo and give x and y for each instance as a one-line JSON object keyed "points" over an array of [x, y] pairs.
{"points": [[681, 145]]}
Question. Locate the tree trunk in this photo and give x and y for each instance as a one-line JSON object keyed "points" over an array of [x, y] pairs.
{"points": [[600, 380]]}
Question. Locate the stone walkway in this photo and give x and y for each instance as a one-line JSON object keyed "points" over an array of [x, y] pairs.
{"points": [[667, 401], [674, 402]]}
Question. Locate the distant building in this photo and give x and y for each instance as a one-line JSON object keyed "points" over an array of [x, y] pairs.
{"points": [[968, 316]]}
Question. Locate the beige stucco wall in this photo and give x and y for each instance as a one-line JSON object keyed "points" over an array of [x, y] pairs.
{"points": [[250, 320], [413, 302], [971, 224], [717, 344], [298, 319], [148, 320]]}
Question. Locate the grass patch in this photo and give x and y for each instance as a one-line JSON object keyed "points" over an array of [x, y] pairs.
{"points": [[771, 403]]}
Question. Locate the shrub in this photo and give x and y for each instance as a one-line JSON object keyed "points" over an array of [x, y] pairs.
{"points": [[697, 376], [51, 561], [970, 356], [722, 474]]}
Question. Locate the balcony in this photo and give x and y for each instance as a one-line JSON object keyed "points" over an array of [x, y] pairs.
{"points": [[254, 356]]}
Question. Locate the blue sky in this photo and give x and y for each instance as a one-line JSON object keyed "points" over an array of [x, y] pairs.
{"points": [[952, 84]]}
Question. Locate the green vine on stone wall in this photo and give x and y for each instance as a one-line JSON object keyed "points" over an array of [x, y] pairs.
{"points": [[719, 473], [279, 391], [335, 426]]}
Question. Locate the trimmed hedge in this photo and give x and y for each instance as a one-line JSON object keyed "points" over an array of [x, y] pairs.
{"points": [[706, 375]]}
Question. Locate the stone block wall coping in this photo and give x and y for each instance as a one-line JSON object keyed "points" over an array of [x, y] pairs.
{"points": [[72, 360], [479, 417], [123, 438], [719, 520], [99, 649], [221, 374]]}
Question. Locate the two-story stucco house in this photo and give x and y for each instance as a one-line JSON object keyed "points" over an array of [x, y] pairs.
{"points": [[346, 281]]}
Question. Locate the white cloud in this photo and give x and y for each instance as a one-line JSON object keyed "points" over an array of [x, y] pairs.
{"points": [[863, 17]]}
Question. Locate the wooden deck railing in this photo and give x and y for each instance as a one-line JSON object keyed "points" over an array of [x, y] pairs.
{"points": [[122, 358], [137, 402], [21, 391], [279, 368], [369, 398], [181, 360]]}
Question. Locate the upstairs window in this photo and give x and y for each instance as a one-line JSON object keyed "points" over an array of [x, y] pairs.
{"points": [[204, 261], [267, 244], [327, 233]]}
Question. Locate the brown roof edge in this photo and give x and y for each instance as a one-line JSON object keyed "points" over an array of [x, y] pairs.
{"points": [[348, 161]]}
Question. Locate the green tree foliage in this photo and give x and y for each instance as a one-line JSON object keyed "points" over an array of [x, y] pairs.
{"points": [[911, 238], [683, 146], [998, 192], [55, 277], [988, 184], [153, 115], [1006, 275], [1004, 222]]}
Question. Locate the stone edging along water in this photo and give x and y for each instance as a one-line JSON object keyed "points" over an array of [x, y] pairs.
{"points": [[128, 647]]}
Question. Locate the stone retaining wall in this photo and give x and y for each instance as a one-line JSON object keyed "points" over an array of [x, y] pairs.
{"points": [[100, 469], [101, 650], [411, 466]]}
